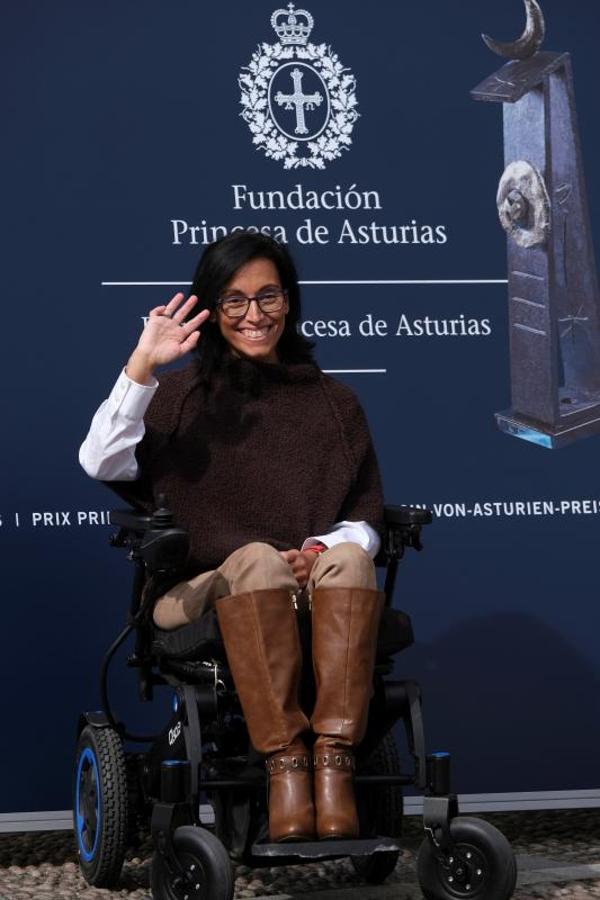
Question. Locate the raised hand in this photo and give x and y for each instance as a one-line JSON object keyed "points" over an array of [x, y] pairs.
{"points": [[166, 337]]}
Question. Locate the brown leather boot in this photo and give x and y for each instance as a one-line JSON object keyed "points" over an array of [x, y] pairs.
{"points": [[260, 633], [345, 622]]}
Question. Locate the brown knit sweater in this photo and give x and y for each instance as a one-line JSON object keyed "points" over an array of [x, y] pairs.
{"points": [[268, 453]]}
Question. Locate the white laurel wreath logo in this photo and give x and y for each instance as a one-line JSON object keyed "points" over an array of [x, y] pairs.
{"points": [[254, 83]]}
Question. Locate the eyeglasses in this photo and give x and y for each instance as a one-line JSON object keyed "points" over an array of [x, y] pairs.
{"points": [[237, 305]]}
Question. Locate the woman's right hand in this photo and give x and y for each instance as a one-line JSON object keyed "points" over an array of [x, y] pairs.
{"points": [[166, 337]]}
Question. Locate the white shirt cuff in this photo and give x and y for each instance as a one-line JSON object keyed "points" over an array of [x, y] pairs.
{"points": [[354, 532], [130, 399]]}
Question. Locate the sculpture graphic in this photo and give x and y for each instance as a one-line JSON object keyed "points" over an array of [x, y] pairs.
{"points": [[554, 302]]}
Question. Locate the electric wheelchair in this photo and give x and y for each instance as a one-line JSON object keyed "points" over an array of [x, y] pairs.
{"points": [[203, 788]]}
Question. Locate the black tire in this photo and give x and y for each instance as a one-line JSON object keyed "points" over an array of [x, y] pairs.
{"points": [[204, 856], [381, 811], [100, 805], [491, 866]]}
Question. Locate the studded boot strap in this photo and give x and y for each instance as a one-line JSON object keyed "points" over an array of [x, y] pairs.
{"points": [[334, 760], [281, 763]]}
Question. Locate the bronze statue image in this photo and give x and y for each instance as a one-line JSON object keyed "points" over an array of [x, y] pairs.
{"points": [[554, 302]]}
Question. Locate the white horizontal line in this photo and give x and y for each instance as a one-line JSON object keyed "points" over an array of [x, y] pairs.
{"points": [[355, 371], [529, 302], [529, 329], [360, 281], [528, 275], [418, 281], [521, 800]]}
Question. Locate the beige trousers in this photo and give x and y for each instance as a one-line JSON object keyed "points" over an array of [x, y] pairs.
{"points": [[257, 567]]}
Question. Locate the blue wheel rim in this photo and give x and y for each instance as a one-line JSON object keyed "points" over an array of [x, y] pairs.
{"points": [[87, 794]]}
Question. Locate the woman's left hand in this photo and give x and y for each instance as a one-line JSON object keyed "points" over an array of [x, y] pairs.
{"points": [[300, 563]]}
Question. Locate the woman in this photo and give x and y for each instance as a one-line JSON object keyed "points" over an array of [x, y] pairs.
{"points": [[269, 465]]}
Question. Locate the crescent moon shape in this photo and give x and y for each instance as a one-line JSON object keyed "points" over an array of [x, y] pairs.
{"points": [[531, 39]]}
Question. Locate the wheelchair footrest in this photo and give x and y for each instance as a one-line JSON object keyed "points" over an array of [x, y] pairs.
{"points": [[326, 849]]}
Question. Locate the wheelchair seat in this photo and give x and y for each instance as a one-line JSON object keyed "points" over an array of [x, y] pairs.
{"points": [[160, 550], [198, 640], [201, 639]]}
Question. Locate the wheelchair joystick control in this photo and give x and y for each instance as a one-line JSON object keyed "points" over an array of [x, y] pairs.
{"points": [[174, 780], [162, 517], [438, 773]]}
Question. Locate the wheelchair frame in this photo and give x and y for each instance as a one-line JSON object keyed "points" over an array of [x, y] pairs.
{"points": [[172, 775]]}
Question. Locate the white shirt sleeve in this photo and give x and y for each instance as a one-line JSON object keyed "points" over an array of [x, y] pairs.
{"points": [[108, 452], [355, 532]]}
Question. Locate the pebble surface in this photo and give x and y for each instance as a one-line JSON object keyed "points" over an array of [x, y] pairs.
{"points": [[43, 865]]}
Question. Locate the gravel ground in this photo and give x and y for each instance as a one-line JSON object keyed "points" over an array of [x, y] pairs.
{"points": [[43, 865]]}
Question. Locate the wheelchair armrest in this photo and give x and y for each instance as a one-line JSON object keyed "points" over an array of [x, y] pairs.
{"points": [[403, 529], [153, 540], [130, 520], [406, 515]]}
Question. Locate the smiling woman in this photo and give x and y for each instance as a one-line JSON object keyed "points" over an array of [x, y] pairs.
{"points": [[244, 267], [251, 313], [269, 465]]}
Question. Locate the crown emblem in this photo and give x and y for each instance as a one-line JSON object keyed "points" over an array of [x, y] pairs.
{"points": [[297, 25], [297, 98]]}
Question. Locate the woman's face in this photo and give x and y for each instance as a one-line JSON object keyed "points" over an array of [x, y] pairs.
{"points": [[257, 333]]}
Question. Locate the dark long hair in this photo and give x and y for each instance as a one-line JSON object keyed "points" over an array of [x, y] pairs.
{"points": [[218, 264]]}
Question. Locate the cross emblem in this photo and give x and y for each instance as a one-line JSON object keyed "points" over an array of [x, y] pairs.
{"points": [[572, 321], [299, 101]]}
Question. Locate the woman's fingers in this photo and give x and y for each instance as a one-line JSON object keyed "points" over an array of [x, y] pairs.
{"points": [[180, 314], [173, 304], [191, 330], [197, 321], [190, 342], [169, 336], [177, 310], [289, 555], [302, 566]]}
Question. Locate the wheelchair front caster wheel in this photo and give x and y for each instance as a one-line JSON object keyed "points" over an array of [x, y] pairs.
{"points": [[207, 871], [480, 864]]}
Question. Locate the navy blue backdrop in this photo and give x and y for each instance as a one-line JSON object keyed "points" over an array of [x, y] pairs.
{"points": [[122, 131]]}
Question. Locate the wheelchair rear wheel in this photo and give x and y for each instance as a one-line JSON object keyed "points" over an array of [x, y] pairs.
{"points": [[206, 864], [100, 805], [482, 866], [380, 811]]}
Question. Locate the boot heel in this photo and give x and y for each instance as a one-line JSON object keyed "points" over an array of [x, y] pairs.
{"points": [[336, 813], [291, 807]]}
